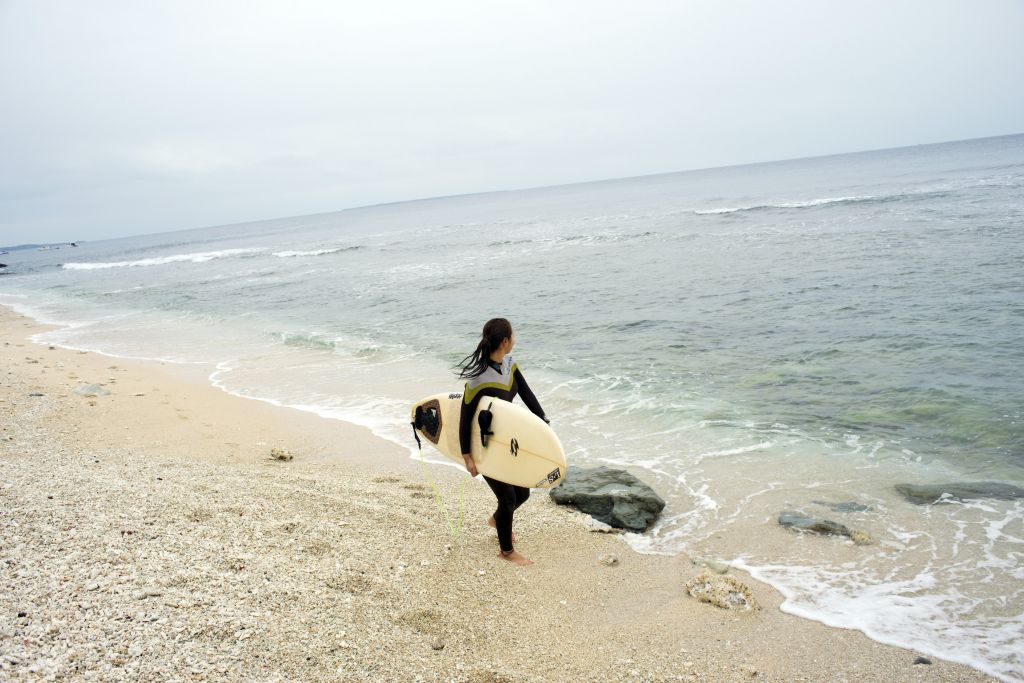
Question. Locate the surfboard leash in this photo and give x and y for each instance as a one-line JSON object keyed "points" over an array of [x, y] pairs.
{"points": [[455, 530]]}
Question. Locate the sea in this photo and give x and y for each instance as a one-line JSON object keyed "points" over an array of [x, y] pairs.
{"points": [[748, 340]]}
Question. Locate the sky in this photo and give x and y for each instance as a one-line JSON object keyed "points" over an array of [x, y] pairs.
{"points": [[123, 118]]}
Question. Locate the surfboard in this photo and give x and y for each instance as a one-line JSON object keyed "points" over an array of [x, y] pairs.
{"points": [[521, 450]]}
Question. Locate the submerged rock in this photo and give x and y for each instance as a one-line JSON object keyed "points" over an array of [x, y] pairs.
{"points": [[722, 591], [848, 506], [939, 493], [796, 520], [611, 496]]}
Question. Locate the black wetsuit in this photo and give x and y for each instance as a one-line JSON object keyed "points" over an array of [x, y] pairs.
{"points": [[500, 380]]}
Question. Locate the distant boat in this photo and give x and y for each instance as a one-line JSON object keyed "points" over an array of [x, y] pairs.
{"points": [[2, 253]]}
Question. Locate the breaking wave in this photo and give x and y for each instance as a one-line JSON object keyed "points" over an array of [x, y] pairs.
{"points": [[196, 257], [313, 252]]}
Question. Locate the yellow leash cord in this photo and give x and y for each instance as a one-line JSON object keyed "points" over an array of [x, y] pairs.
{"points": [[455, 530]]}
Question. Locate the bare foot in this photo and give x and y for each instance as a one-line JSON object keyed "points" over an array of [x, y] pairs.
{"points": [[515, 558], [494, 525]]}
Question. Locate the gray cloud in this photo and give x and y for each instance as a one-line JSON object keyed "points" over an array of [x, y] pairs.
{"points": [[121, 118]]}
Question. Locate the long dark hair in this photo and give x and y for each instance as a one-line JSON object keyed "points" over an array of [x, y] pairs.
{"points": [[496, 330]]}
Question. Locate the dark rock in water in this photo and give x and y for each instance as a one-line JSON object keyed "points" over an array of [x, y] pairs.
{"points": [[849, 506], [922, 660], [796, 520], [938, 493], [611, 496]]}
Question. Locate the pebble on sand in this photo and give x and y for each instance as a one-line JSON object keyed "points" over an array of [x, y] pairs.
{"points": [[280, 454], [722, 591]]}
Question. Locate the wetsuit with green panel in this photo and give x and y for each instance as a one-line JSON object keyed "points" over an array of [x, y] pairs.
{"points": [[505, 381]]}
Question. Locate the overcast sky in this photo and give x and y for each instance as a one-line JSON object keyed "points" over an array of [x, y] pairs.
{"points": [[121, 118]]}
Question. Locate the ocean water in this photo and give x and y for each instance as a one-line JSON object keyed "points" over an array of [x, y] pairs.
{"points": [[748, 340]]}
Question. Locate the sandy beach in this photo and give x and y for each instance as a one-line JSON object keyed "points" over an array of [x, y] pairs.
{"points": [[147, 534]]}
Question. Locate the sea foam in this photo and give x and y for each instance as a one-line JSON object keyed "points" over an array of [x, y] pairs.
{"points": [[195, 257]]}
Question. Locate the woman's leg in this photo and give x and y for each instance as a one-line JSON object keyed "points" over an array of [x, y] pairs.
{"points": [[507, 504], [522, 494]]}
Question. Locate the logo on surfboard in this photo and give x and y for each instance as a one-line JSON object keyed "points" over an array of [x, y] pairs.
{"points": [[513, 448]]}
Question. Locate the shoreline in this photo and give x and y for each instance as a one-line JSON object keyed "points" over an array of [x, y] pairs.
{"points": [[160, 499]]}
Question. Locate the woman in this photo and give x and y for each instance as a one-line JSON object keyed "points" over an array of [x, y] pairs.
{"points": [[491, 372]]}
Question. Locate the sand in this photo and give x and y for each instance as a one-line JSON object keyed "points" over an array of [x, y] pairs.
{"points": [[146, 534]]}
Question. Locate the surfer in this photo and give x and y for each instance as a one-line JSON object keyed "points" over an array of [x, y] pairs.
{"points": [[490, 371]]}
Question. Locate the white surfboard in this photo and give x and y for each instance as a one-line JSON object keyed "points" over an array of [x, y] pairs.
{"points": [[522, 449]]}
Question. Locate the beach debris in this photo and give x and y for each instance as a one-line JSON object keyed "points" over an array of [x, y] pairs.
{"points": [[53, 348], [847, 506], [922, 660], [942, 493], [715, 565], [612, 496], [725, 592], [36, 394], [802, 522], [91, 390], [608, 560], [280, 454], [597, 526], [437, 645], [748, 671]]}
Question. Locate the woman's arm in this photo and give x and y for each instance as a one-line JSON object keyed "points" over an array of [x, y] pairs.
{"points": [[466, 429], [528, 398]]}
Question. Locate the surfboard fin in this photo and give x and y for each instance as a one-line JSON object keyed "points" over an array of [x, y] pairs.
{"points": [[484, 418]]}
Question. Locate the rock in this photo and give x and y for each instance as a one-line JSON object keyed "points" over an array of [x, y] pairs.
{"points": [[608, 560], [941, 493], [860, 538], [796, 520], [748, 671], [849, 506], [437, 645], [36, 394], [612, 496], [922, 660], [91, 390], [722, 591], [717, 566], [280, 454]]}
